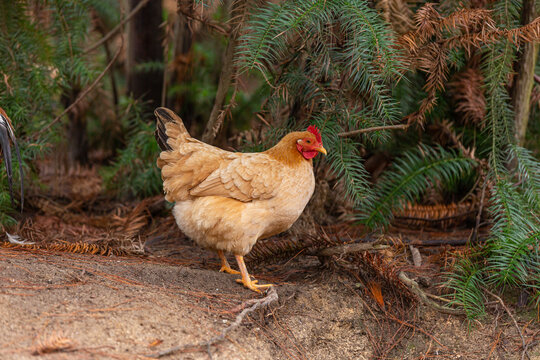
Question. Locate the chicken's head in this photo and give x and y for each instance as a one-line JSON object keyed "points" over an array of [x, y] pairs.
{"points": [[311, 144]]}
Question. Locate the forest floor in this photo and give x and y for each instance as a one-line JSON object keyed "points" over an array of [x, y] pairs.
{"points": [[130, 307]]}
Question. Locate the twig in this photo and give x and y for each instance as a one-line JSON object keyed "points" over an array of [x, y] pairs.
{"points": [[524, 344], [413, 286], [83, 94], [210, 24], [117, 27], [474, 234], [348, 248], [267, 300], [371, 129]]}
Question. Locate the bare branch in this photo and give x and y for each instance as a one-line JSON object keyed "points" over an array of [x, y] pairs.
{"points": [[83, 94], [371, 129], [349, 248], [415, 288], [211, 24], [116, 28]]}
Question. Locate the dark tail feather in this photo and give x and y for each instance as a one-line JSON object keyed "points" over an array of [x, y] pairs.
{"points": [[21, 174], [164, 116], [6, 150]]}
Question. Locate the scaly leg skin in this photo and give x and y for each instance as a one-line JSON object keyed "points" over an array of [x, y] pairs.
{"points": [[246, 280], [225, 267]]}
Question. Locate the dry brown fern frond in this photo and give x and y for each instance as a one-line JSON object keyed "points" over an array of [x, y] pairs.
{"points": [[429, 24], [467, 93], [442, 215], [428, 46], [79, 247], [398, 14], [129, 226], [53, 343]]}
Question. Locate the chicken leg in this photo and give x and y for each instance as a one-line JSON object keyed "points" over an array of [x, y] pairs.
{"points": [[225, 267], [246, 280]]}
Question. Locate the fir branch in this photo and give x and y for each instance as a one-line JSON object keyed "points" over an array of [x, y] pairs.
{"points": [[409, 177]]}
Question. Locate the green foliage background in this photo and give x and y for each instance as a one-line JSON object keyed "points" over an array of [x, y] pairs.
{"points": [[332, 63]]}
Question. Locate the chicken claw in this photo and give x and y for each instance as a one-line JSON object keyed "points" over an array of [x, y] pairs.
{"points": [[225, 267], [252, 284], [228, 270], [246, 280]]}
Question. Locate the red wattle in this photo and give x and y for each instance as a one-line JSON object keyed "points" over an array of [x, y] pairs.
{"points": [[309, 154]]}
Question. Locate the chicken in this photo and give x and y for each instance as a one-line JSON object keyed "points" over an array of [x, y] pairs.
{"points": [[227, 201], [7, 136]]}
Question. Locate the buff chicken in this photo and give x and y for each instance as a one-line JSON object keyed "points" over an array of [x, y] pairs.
{"points": [[7, 137], [226, 201]]}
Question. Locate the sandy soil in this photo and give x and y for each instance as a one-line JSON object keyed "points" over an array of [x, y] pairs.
{"points": [[131, 307]]}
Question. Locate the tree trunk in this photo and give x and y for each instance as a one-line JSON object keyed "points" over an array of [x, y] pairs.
{"points": [[77, 137], [144, 45], [524, 79]]}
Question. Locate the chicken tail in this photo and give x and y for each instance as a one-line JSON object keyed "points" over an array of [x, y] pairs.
{"points": [[168, 126]]}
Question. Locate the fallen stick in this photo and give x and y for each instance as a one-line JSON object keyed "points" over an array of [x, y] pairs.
{"points": [[349, 248], [267, 300], [415, 289]]}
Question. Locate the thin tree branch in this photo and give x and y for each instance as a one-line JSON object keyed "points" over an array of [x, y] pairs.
{"points": [[371, 129], [415, 289], [117, 27], [474, 234], [267, 300], [212, 25], [82, 94], [349, 248]]}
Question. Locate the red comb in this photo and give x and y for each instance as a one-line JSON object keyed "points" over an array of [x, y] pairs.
{"points": [[313, 129]]}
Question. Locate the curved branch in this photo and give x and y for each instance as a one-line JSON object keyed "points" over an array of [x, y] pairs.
{"points": [[371, 129], [116, 28], [83, 94]]}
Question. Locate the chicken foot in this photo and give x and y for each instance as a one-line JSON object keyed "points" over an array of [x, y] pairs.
{"points": [[225, 267], [246, 280]]}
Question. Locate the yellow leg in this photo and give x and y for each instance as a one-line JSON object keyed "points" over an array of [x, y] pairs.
{"points": [[246, 280], [225, 267]]}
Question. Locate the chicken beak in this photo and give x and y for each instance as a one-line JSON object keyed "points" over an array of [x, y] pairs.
{"points": [[320, 149]]}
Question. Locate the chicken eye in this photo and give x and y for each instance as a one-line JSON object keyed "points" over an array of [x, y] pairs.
{"points": [[308, 141]]}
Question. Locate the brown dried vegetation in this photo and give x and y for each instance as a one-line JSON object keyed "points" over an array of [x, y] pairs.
{"points": [[427, 48]]}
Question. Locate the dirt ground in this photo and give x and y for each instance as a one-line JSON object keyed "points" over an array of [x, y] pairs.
{"points": [[131, 307]]}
